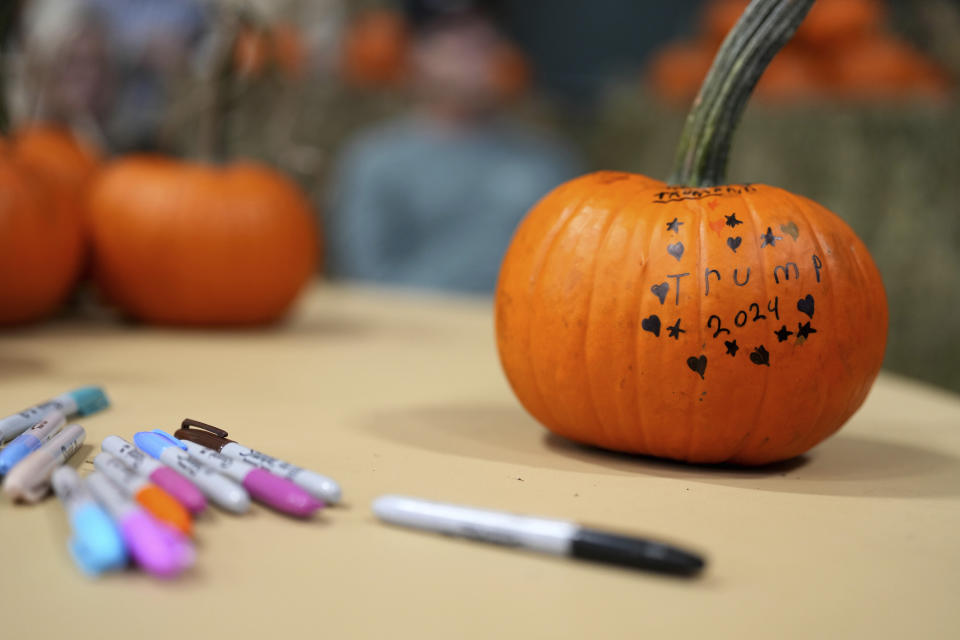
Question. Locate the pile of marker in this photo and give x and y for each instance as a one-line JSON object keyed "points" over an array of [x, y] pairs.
{"points": [[139, 501]]}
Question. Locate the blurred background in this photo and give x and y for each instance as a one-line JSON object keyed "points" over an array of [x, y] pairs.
{"points": [[422, 130]]}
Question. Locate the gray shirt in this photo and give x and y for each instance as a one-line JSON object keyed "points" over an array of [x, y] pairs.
{"points": [[417, 205]]}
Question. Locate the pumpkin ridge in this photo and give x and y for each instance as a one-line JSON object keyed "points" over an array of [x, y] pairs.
{"points": [[701, 261], [636, 409], [801, 206], [755, 218], [611, 217], [535, 281], [546, 245]]}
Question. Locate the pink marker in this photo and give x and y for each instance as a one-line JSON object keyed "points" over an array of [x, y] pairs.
{"points": [[277, 492], [161, 475], [158, 548]]}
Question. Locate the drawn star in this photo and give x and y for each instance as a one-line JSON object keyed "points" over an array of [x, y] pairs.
{"points": [[769, 239], [732, 347], [674, 225], [804, 330], [675, 330], [783, 333], [732, 220]]}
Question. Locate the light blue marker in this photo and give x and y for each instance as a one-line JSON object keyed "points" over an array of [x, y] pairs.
{"points": [[31, 440], [96, 544], [79, 402]]}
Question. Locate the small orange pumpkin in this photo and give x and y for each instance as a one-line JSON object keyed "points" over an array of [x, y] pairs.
{"points": [[883, 67], [676, 71], [41, 241], [697, 320], [57, 153], [375, 49], [187, 244], [281, 45]]}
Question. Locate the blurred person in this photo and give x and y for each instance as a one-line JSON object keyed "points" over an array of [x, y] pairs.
{"points": [[432, 199]]}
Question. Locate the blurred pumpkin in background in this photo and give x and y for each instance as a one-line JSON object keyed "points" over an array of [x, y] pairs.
{"points": [[880, 67], [188, 244], [512, 74], [676, 71], [375, 49], [43, 172], [280, 45], [841, 51]]}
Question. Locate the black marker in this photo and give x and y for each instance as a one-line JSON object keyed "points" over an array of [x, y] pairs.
{"points": [[557, 537]]}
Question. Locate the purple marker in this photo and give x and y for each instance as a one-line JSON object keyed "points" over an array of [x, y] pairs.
{"points": [[161, 475], [158, 548], [277, 492]]}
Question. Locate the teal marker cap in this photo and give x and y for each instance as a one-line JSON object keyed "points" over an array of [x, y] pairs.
{"points": [[89, 400], [96, 545]]}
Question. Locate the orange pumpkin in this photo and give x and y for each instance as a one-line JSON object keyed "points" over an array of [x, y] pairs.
{"points": [[187, 244], [254, 48], [676, 71], [829, 23], [251, 51], [731, 323], [835, 22], [511, 72], [882, 67], [41, 242], [375, 49], [792, 75], [58, 154]]}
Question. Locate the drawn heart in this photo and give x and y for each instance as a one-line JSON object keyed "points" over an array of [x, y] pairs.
{"points": [[697, 365], [675, 249], [805, 305], [790, 229], [733, 243], [660, 290], [651, 324], [760, 356]]}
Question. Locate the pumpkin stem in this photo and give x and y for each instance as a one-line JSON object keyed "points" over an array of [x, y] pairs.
{"points": [[763, 29]]}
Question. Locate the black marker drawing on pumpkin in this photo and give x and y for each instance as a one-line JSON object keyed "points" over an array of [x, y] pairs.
{"points": [[732, 347], [769, 239], [697, 365], [674, 331], [651, 324]]}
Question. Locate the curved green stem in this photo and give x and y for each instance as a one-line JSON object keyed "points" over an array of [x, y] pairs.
{"points": [[763, 29]]}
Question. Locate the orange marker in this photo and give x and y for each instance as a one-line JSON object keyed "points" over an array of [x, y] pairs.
{"points": [[160, 504]]}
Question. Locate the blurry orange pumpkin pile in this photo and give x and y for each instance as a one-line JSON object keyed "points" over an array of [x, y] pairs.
{"points": [[170, 242], [375, 54], [842, 51]]}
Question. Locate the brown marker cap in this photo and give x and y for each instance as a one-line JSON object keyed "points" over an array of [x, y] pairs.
{"points": [[203, 434]]}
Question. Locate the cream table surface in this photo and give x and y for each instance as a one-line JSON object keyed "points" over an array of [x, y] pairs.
{"points": [[402, 393]]}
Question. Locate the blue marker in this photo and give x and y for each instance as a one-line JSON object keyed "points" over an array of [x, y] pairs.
{"points": [[96, 545], [79, 402], [221, 490], [31, 440]]}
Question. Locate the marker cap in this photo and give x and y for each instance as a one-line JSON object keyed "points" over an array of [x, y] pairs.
{"points": [[280, 493], [96, 545], [180, 488], [154, 442], [89, 400], [20, 448], [159, 549], [164, 508]]}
